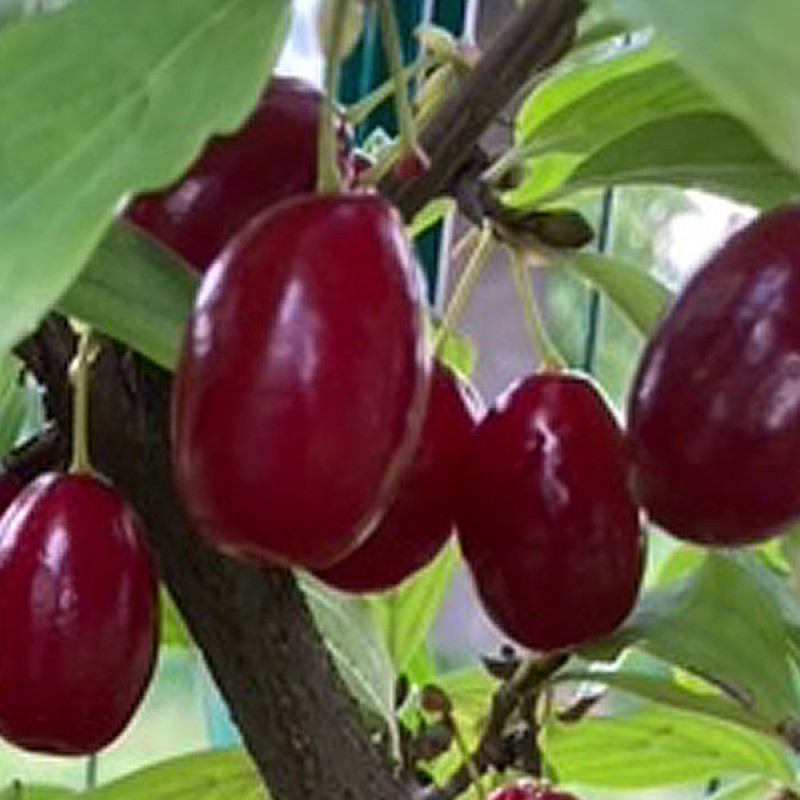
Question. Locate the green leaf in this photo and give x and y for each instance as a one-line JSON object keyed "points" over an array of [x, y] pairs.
{"points": [[639, 295], [430, 215], [353, 637], [703, 150], [657, 746], [124, 101], [136, 292], [407, 613], [200, 776], [173, 629], [667, 691], [584, 108], [754, 788], [745, 55], [34, 791], [470, 690], [13, 404], [731, 620]]}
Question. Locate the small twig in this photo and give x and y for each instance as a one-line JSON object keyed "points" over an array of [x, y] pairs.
{"points": [[493, 745], [533, 38]]}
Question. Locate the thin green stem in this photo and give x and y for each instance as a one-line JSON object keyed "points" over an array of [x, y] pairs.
{"points": [[469, 277], [394, 55], [328, 174], [466, 757], [80, 374], [360, 110], [541, 342]]}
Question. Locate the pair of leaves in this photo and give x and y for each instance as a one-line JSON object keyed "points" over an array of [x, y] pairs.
{"points": [[77, 133], [711, 38], [636, 116]]}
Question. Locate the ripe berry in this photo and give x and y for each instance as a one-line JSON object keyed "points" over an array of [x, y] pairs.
{"points": [[271, 158], [10, 487], [300, 393], [420, 518], [80, 616], [546, 523], [527, 791], [714, 414]]}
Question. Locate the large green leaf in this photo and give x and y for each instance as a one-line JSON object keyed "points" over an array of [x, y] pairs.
{"points": [[200, 776], [657, 746], [705, 150], [407, 613], [745, 54], [355, 642], [583, 108], [639, 295], [733, 621], [35, 791], [635, 116], [124, 99], [136, 292]]}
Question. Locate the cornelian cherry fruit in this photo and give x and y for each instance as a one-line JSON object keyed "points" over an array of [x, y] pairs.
{"points": [[420, 519], [714, 413], [272, 157], [546, 522], [10, 487], [301, 390], [79, 603]]}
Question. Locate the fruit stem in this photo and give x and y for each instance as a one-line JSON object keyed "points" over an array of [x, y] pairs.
{"points": [[80, 374], [328, 174], [542, 344], [360, 110], [466, 757], [480, 255], [405, 119]]}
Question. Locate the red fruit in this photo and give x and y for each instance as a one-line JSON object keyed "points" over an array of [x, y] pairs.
{"points": [[10, 487], [271, 158], [714, 414], [527, 791], [420, 519], [80, 616], [546, 523], [300, 392]]}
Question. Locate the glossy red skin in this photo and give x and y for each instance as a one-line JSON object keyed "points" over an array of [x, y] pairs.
{"points": [[525, 791], [547, 524], [714, 413], [10, 487], [80, 616], [272, 157], [420, 519], [300, 394]]}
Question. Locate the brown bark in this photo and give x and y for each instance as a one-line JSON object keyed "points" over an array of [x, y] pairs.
{"points": [[298, 722]]}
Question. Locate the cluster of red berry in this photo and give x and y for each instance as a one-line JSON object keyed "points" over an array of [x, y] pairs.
{"points": [[310, 430]]}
